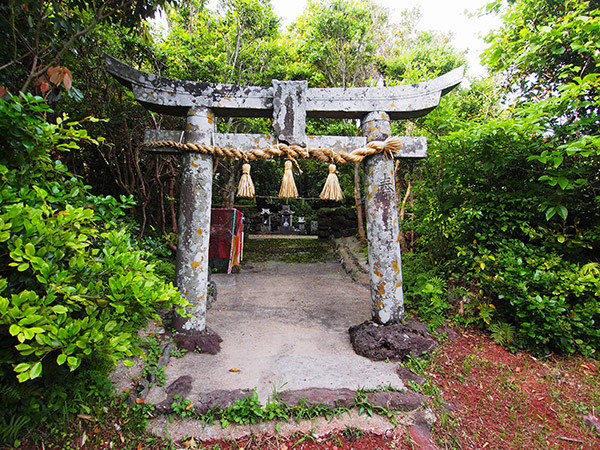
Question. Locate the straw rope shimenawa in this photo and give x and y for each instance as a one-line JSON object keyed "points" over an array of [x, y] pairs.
{"points": [[331, 191], [390, 147]]}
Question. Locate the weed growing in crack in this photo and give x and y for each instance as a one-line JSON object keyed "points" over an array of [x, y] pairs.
{"points": [[352, 433], [154, 348], [364, 407], [336, 440], [304, 437], [245, 410], [416, 365], [182, 407], [178, 352], [362, 403]]}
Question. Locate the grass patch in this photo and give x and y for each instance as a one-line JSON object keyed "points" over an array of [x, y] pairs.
{"points": [[286, 250]]}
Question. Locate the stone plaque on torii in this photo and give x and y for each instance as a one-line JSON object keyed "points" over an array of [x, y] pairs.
{"points": [[289, 103]]}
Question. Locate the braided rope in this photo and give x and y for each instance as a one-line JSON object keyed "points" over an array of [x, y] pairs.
{"points": [[390, 147]]}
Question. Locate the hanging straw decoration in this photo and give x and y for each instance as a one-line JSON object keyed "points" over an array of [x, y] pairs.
{"points": [[332, 189], [288, 187], [246, 186]]}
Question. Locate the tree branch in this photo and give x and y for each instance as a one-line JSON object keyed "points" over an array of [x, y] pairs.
{"points": [[99, 17]]}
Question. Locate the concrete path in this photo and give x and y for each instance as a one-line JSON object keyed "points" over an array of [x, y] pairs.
{"points": [[284, 327]]}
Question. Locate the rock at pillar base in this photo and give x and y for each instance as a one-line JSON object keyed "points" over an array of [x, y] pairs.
{"points": [[205, 341], [395, 342]]}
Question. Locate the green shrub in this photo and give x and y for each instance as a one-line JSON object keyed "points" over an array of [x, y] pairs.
{"points": [[425, 290], [74, 288], [554, 305]]}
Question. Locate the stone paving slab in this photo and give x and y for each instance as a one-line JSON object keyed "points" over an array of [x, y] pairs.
{"points": [[320, 426], [284, 327]]}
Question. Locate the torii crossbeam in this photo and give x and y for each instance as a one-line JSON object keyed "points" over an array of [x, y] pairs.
{"points": [[289, 103]]}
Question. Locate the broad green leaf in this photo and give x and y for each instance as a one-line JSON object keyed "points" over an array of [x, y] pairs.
{"points": [[60, 309], [73, 362], [558, 161], [22, 367], [36, 370], [563, 183], [562, 212], [22, 377]]}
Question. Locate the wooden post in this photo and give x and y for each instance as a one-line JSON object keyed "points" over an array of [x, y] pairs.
{"points": [[194, 221], [385, 265]]}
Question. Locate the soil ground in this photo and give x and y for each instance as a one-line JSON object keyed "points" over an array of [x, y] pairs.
{"points": [[503, 400]]}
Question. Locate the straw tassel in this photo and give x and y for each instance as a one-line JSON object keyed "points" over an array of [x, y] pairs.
{"points": [[332, 189], [288, 187], [246, 186]]}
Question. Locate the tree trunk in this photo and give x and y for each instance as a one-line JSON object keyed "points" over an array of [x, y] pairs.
{"points": [[359, 207], [229, 189]]}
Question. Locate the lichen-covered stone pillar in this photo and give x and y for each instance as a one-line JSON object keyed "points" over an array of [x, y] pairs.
{"points": [[194, 221], [382, 226]]}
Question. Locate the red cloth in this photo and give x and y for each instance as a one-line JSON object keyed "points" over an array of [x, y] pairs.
{"points": [[221, 232], [226, 236]]}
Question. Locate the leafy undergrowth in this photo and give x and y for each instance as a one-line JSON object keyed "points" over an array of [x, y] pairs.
{"points": [[286, 250]]}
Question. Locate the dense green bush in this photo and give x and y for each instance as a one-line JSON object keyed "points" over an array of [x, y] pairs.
{"points": [[507, 214], [551, 304], [74, 288]]}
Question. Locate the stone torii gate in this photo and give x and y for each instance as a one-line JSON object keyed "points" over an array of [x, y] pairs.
{"points": [[289, 103]]}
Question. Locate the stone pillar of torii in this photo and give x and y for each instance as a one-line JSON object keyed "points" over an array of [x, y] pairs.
{"points": [[289, 103]]}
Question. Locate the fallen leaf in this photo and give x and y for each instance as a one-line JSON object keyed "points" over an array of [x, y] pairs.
{"points": [[191, 443], [140, 400], [188, 407], [86, 417]]}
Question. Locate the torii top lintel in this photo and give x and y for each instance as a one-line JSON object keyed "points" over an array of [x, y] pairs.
{"points": [[176, 97]]}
